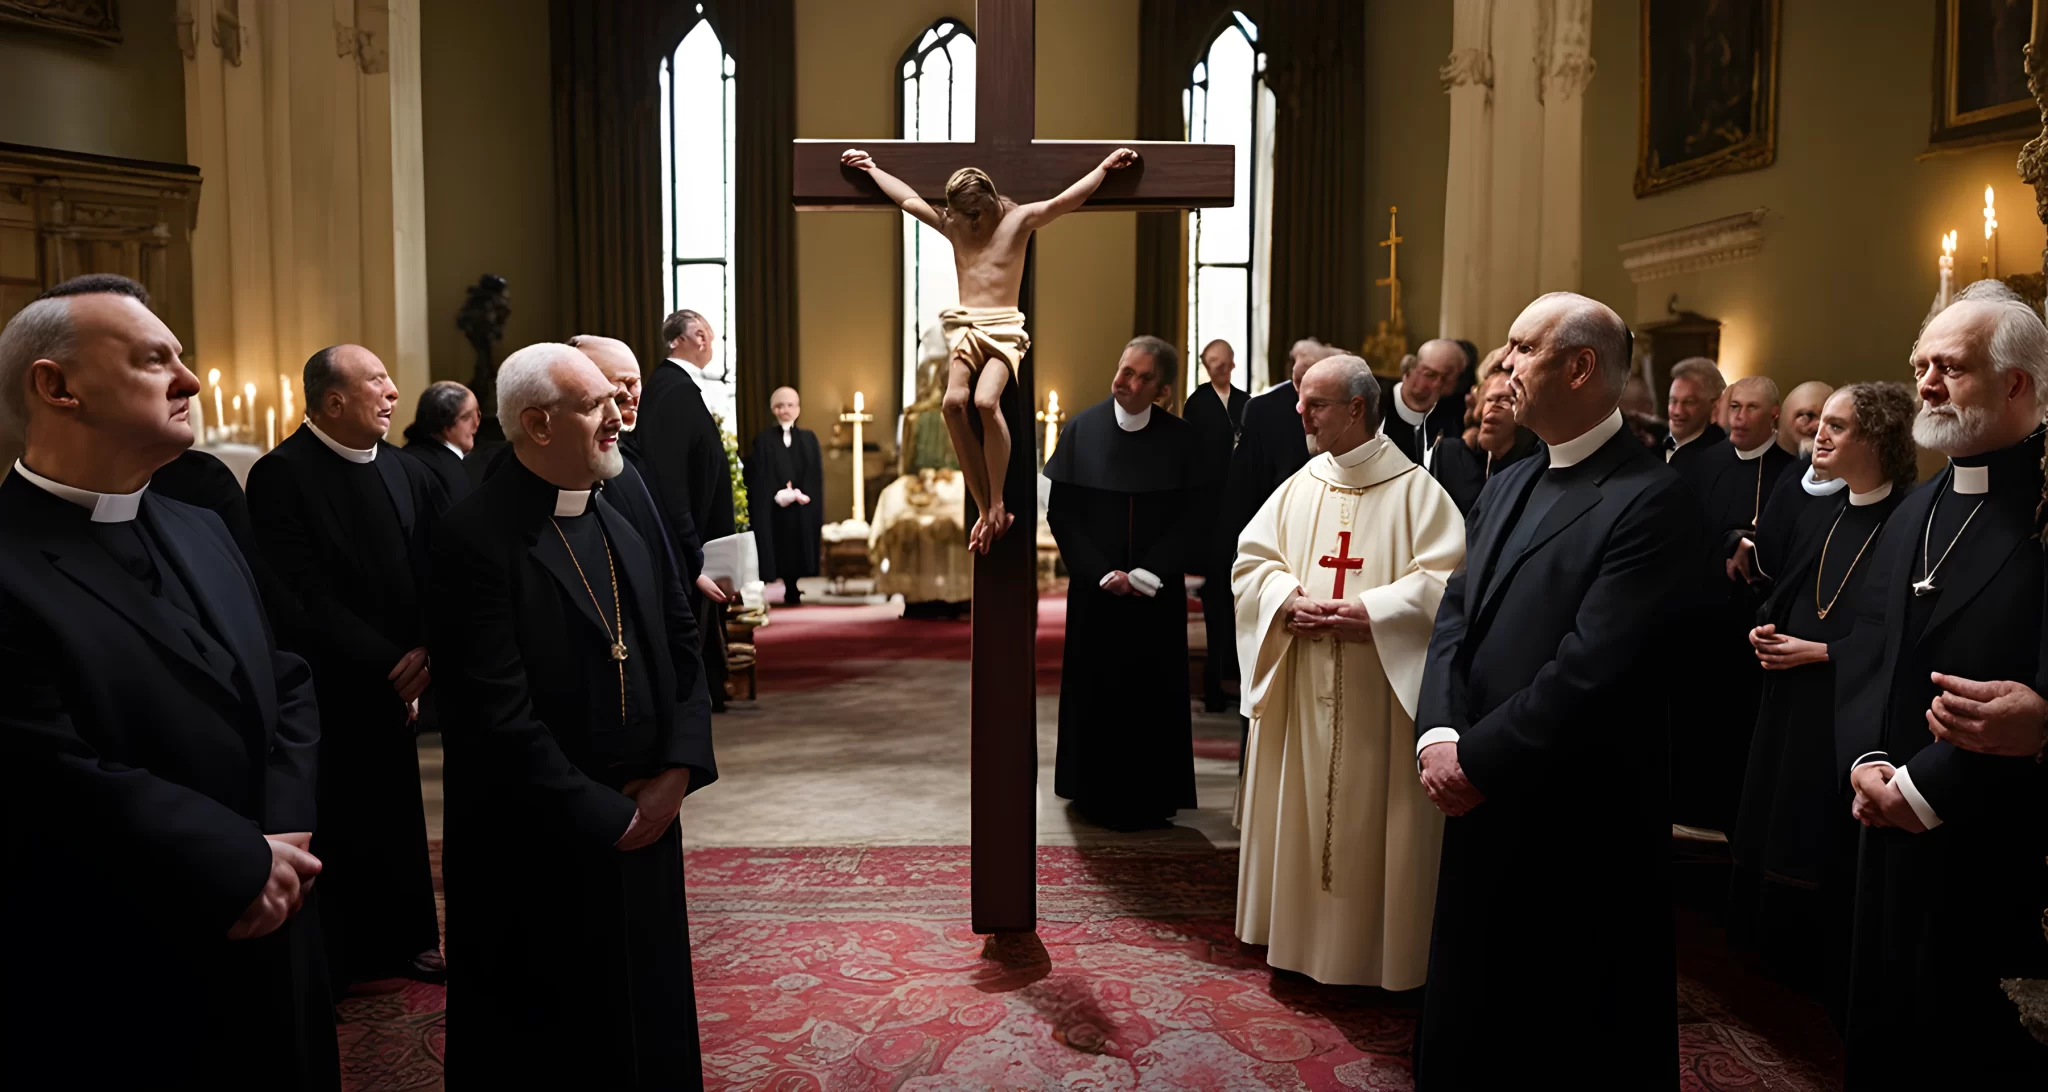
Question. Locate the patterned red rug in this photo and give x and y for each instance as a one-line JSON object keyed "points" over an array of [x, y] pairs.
{"points": [[850, 970]]}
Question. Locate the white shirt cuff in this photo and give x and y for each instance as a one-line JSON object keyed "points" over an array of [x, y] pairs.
{"points": [[1903, 780], [1104, 582], [1431, 738], [1868, 757], [1145, 583]]}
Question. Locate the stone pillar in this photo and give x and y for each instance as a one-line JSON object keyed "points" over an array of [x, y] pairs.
{"points": [[1468, 79]]}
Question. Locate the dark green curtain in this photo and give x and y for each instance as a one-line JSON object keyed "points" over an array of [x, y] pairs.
{"points": [[761, 36], [1172, 36], [1321, 275], [607, 111], [607, 116]]}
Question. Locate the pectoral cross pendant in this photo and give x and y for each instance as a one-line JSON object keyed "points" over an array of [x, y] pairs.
{"points": [[619, 651], [1924, 587]]}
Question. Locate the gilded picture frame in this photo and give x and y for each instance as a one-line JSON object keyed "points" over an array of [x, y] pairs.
{"points": [[1709, 91], [1980, 75], [94, 20]]}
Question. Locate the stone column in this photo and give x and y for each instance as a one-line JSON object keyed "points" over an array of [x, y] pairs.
{"points": [[1468, 79]]}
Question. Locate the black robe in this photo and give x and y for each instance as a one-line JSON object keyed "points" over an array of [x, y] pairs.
{"points": [[1463, 471], [1710, 436], [682, 456], [450, 469], [1216, 427], [787, 539], [1441, 426], [152, 734], [1120, 502], [203, 481], [1941, 916], [350, 542], [1270, 448], [1794, 841], [569, 962], [1553, 912], [1710, 749]]}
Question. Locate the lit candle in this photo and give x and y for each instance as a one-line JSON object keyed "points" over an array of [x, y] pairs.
{"points": [[284, 387], [249, 392], [1990, 234], [1948, 271], [1052, 422], [860, 500], [220, 419], [270, 428]]}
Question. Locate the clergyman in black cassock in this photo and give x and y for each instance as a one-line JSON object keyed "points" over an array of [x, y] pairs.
{"points": [[443, 434], [1121, 513], [1733, 479], [1794, 841], [155, 748], [1546, 697], [785, 497], [1216, 416], [567, 644], [683, 454], [346, 529], [1956, 587], [1429, 377]]}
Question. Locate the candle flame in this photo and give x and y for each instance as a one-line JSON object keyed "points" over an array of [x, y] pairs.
{"points": [[250, 390], [213, 378], [1948, 243], [1052, 401], [1990, 214], [860, 402], [238, 403]]}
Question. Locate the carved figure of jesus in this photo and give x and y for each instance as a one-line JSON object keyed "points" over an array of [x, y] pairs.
{"points": [[985, 334]]}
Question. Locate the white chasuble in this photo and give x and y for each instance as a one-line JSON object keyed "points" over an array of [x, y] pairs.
{"points": [[1337, 870]]}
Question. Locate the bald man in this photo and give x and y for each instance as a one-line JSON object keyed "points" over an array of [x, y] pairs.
{"points": [[344, 520], [1418, 417], [1543, 711], [1799, 420], [785, 491]]}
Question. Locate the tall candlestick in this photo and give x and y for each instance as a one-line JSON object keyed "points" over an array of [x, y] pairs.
{"points": [[1990, 234], [270, 428], [220, 418], [1948, 271], [284, 390], [857, 418], [249, 393]]}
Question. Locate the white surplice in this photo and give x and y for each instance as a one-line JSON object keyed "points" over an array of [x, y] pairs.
{"points": [[1341, 884]]}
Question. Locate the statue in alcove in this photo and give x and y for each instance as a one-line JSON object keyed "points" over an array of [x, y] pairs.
{"points": [[482, 320]]}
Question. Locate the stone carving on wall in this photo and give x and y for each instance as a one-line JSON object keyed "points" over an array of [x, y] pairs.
{"points": [[1699, 246], [95, 20]]}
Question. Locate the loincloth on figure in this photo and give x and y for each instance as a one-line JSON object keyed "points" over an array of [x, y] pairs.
{"points": [[981, 334]]}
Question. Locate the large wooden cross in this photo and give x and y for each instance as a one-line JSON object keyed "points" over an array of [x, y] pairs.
{"points": [[1168, 175]]}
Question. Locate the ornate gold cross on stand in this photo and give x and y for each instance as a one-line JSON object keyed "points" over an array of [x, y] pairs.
{"points": [[1386, 347]]}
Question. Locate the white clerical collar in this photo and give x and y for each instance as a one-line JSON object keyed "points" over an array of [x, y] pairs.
{"points": [[1576, 449], [354, 455], [1815, 487], [1872, 497], [1412, 416], [1130, 422], [1360, 453], [1677, 443], [106, 507], [1971, 479], [572, 502], [1756, 452], [786, 441], [459, 453]]}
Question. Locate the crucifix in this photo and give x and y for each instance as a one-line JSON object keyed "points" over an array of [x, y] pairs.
{"points": [[1342, 561], [860, 416], [1168, 175], [1392, 281]]}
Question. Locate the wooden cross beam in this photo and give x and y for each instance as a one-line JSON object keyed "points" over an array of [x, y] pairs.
{"points": [[1004, 762]]}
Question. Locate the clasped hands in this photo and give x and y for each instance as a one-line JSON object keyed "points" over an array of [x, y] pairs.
{"points": [[411, 676], [656, 801], [790, 494], [1444, 780], [1778, 651], [1993, 718], [1879, 803], [1319, 618], [292, 870]]}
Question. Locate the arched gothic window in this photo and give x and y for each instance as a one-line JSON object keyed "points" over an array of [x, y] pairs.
{"points": [[1229, 249], [697, 198], [934, 101]]}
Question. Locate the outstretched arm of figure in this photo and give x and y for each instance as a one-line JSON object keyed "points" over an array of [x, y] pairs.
{"points": [[903, 195], [1040, 213]]}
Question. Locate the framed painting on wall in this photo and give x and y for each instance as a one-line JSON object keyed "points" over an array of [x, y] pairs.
{"points": [[1980, 73], [97, 20], [1709, 95]]}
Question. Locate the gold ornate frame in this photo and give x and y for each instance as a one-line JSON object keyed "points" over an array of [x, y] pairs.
{"points": [[95, 20], [2011, 121], [1760, 149]]}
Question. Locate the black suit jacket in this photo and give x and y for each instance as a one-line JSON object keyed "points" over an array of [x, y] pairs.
{"points": [[138, 780], [1270, 447], [309, 539], [683, 454], [450, 469], [518, 645]]}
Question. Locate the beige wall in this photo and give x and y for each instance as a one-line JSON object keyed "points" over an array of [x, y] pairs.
{"points": [[1848, 262], [846, 276], [489, 170], [124, 100], [1407, 151]]}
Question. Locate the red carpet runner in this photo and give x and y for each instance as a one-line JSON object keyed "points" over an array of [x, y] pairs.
{"points": [[850, 970], [804, 648]]}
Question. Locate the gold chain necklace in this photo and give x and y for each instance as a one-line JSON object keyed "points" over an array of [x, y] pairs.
{"points": [[616, 634], [1925, 585], [1818, 610]]}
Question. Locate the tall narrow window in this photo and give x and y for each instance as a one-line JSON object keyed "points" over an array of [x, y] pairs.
{"points": [[697, 198], [935, 101], [1229, 252]]}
